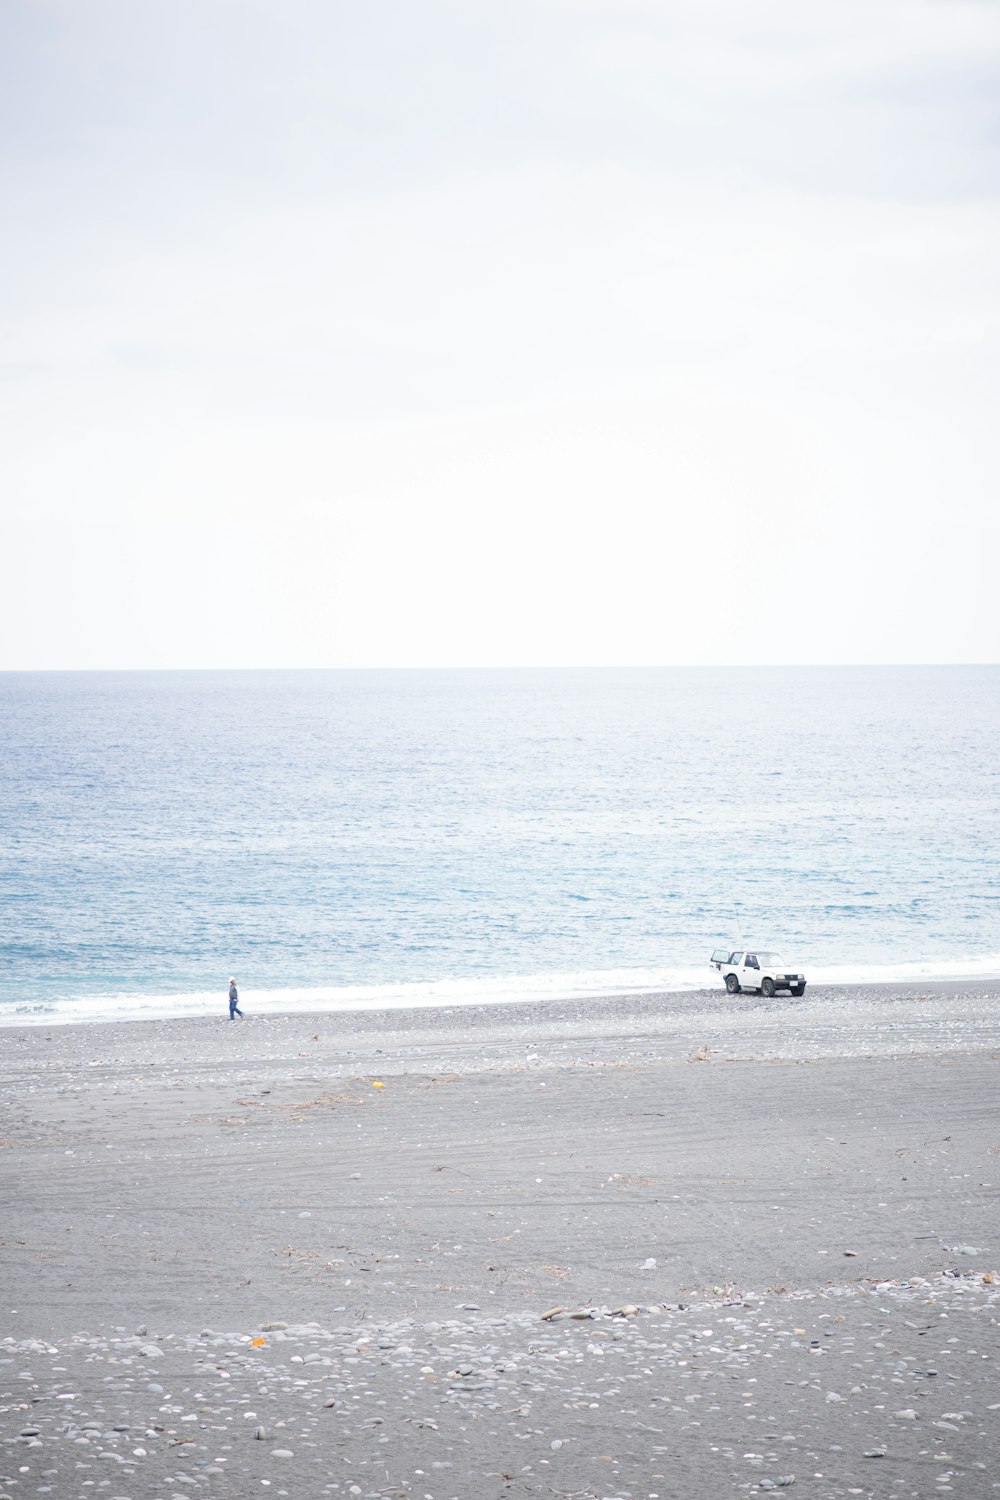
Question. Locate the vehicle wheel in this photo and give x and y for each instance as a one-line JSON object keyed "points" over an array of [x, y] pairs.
{"points": [[767, 988], [732, 984], [798, 989]]}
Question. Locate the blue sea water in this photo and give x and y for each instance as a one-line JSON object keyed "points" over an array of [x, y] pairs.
{"points": [[378, 838]]}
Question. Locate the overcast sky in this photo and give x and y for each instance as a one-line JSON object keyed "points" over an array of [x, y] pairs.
{"points": [[498, 332]]}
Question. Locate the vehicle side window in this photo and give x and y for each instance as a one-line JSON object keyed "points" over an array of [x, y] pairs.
{"points": [[752, 961]]}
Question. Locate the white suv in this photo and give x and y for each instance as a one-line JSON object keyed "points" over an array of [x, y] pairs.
{"points": [[756, 971]]}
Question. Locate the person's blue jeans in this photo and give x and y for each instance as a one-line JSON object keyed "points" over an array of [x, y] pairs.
{"points": [[234, 1010]]}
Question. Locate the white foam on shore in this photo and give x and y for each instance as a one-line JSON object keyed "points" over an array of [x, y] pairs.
{"points": [[499, 990]]}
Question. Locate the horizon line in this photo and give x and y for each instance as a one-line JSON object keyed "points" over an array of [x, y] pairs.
{"points": [[516, 667]]}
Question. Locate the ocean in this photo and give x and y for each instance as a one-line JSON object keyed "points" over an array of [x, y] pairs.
{"points": [[370, 839]]}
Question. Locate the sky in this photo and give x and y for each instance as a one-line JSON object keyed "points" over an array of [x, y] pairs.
{"points": [[430, 333]]}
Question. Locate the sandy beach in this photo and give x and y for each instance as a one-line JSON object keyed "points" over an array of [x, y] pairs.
{"points": [[323, 1255]]}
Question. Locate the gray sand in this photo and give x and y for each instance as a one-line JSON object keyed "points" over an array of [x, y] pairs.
{"points": [[771, 1227]]}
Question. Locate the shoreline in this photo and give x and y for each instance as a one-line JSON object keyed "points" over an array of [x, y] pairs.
{"points": [[883, 990]]}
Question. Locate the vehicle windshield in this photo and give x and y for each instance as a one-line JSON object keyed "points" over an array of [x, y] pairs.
{"points": [[771, 959]]}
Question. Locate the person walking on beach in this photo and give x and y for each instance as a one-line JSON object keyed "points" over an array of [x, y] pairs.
{"points": [[234, 1001]]}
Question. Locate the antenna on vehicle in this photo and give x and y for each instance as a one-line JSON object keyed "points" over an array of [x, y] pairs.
{"points": [[739, 929]]}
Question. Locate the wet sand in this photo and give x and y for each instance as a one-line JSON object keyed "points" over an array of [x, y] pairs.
{"points": [[771, 1227]]}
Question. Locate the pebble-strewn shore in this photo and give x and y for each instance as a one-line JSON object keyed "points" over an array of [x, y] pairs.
{"points": [[810, 1388], [669, 1246]]}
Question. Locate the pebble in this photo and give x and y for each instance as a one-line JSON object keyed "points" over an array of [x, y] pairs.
{"points": [[702, 1379]]}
